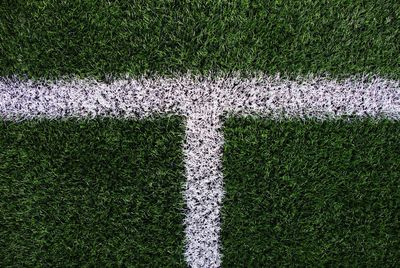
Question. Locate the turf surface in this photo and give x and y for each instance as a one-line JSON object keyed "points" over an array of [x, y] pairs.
{"points": [[91, 193], [307, 193], [49, 38]]}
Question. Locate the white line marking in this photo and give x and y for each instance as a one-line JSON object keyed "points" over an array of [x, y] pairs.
{"points": [[203, 101]]}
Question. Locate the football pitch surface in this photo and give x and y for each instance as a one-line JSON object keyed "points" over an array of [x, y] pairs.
{"points": [[311, 171], [94, 192], [199, 133], [310, 193]]}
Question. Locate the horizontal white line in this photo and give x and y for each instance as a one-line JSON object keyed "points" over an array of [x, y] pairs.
{"points": [[269, 96], [317, 98]]}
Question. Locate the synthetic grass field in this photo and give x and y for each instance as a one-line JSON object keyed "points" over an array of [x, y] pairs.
{"points": [[97, 193], [123, 141], [49, 38], [311, 193]]}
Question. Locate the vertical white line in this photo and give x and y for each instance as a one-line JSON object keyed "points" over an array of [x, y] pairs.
{"points": [[204, 187]]}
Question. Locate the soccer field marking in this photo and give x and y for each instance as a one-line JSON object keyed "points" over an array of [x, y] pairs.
{"points": [[204, 189], [204, 102]]}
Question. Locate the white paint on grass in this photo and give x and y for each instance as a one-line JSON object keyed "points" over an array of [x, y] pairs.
{"points": [[204, 189], [203, 101]]}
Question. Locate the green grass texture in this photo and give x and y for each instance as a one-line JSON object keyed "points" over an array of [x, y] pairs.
{"points": [[92, 193], [309, 193], [90, 38]]}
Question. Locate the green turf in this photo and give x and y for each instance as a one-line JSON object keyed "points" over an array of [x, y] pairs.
{"points": [[97, 193], [50, 38], [311, 194]]}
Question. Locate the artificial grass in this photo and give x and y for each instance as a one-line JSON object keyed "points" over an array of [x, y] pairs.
{"points": [[91, 38], [309, 193], [97, 193]]}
